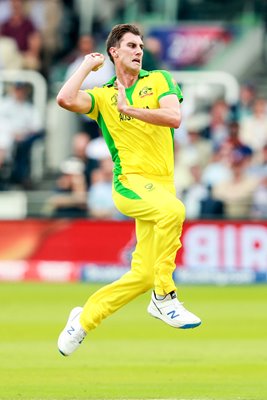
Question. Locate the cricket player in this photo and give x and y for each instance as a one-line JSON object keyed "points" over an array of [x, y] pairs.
{"points": [[137, 112]]}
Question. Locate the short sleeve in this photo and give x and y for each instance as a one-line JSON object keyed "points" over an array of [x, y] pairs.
{"points": [[94, 111], [167, 85], [179, 93]]}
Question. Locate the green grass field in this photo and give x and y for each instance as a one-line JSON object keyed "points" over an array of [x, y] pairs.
{"points": [[131, 355]]}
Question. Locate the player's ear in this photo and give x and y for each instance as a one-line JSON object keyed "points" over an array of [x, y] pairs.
{"points": [[113, 52]]}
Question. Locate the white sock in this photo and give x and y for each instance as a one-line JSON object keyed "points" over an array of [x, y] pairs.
{"points": [[159, 296]]}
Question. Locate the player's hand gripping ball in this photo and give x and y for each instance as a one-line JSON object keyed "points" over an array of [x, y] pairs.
{"points": [[101, 60]]}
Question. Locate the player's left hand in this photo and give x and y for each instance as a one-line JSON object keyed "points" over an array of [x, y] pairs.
{"points": [[122, 100]]}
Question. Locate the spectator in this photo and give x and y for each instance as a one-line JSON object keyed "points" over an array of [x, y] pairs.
{"points": [[32, 58], [100, 202], [46, 16], [68, 28], [253, 129], [211, 207], [10, 57], [246, 99], [80, 144], [20, 126], [69, 199], [218, 170], [217, 130], [97, 149], [152, 58], [259, 200], [18, 26], [196, 148], [237, 192], [235, 141], [195, 193], [98, 16], [259, 165], [195, 151]]}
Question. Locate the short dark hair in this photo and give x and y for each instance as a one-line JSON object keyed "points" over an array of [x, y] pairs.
{"points": [[117, 33]]}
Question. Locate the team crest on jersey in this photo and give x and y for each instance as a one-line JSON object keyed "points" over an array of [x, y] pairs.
{"points": [[149, 187], [114, 100], [146, 91]]}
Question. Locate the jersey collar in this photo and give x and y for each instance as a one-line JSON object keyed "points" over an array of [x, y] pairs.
{"points": [[142, 74]]}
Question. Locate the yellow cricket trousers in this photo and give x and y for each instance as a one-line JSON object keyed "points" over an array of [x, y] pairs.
{"points": [[159, 217]]}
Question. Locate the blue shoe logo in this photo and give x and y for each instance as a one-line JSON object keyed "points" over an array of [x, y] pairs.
{"points": [[71, 330], [172, 314]]}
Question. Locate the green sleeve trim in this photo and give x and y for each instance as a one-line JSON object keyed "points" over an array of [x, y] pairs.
{"points": [[179, 93], [180, 98], [168, 78], [93, 102], [167, 93], [174, 89]]}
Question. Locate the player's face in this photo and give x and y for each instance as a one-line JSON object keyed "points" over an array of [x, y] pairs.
{"points": [[130, 52]]}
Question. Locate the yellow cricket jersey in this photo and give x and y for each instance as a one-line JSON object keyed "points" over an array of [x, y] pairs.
{"points": [[136, 146]]}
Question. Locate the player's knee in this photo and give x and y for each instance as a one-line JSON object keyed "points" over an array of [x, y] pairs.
{"points": [[178, 213], [174, 215], [146, 281]]}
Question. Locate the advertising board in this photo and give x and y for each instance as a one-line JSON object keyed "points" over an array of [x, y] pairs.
{"points": [[191, 45], [218, 252]]}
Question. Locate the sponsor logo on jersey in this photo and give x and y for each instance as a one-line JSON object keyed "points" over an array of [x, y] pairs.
{"points": [[145, 91], [149, 187]]}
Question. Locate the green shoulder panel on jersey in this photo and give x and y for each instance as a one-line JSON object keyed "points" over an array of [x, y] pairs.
{"points": [[126, 192], [142, 74], [129, 91], [174, 88]]}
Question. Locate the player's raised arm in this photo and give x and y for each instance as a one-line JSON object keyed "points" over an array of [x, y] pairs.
{"points": [[70, 96]]}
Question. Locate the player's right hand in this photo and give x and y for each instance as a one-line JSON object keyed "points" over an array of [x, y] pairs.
{"points": [[122, 100], [94, 61]]}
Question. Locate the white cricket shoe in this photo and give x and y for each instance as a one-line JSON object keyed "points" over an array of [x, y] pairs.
{"points": [[73, 334], [171, 311]]}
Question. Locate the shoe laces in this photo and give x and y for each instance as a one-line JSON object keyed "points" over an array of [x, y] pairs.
{"points": [[78, 335], [171, 298], [171, 302], [178, 305]]}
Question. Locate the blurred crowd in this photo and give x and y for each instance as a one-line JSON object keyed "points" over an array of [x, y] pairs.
{"points": [[221, 167], [220, 151]]}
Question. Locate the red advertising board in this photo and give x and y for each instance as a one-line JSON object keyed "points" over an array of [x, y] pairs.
{"points": [[63, 250]]}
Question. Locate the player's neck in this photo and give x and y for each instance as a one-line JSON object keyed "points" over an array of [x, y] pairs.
{"points": [[127, 78]]}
